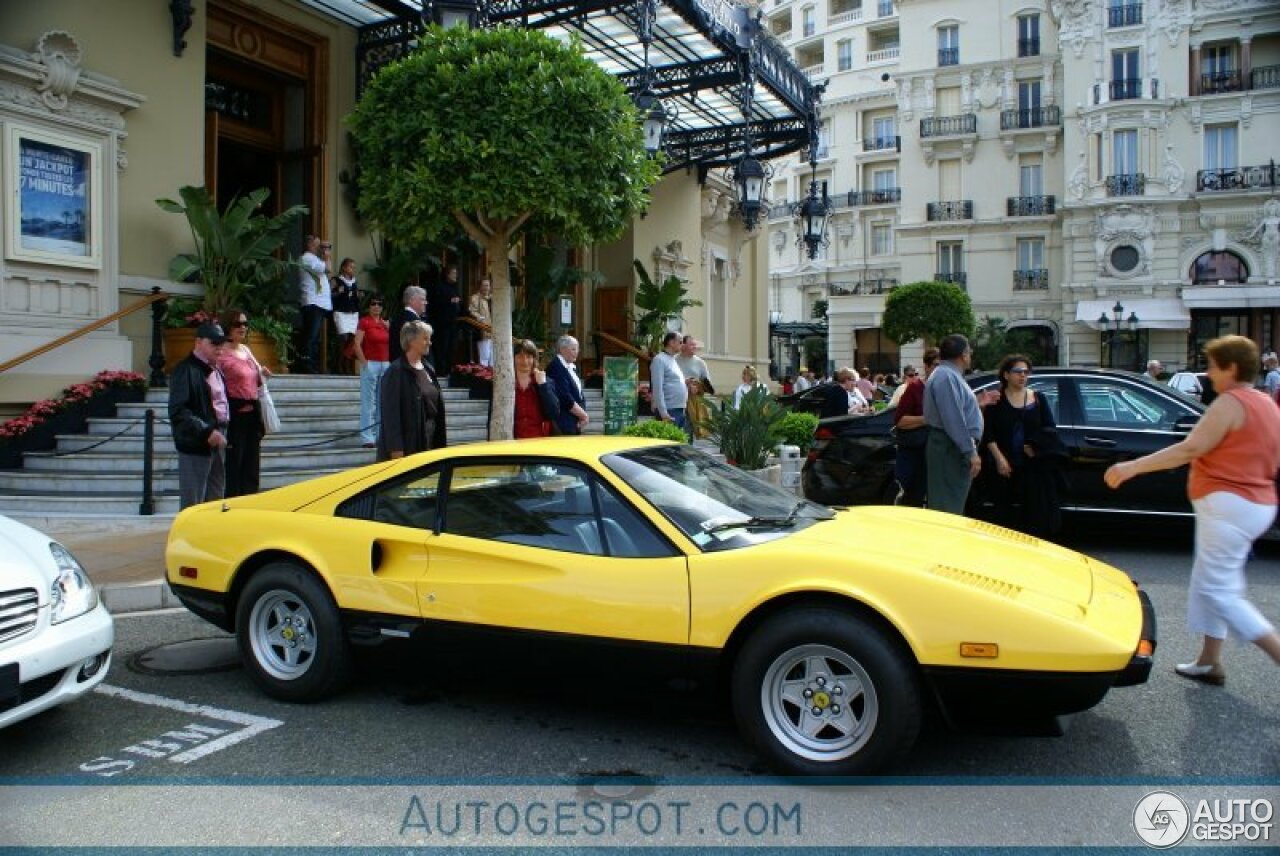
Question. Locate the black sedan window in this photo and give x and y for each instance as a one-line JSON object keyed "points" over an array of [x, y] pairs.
{"points": [[1108, 405]]}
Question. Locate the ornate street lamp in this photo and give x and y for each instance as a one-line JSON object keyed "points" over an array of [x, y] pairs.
{"points": [[813, 213], [655, 114], [1112, 324], [453, 13], [749, 176]]}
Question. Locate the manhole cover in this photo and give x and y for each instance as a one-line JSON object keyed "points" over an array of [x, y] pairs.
{"points": [[192, 657]]}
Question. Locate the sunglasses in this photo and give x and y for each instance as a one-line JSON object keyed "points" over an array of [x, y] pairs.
{"points": [[1019, 371]]}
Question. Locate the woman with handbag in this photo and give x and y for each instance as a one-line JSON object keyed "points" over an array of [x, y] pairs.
{"points": [[244, 378], [1017, 429]]}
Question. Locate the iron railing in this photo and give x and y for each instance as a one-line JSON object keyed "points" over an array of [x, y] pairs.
{"points": [[1127, 185], [1266, 77], [942, 126], [1238, 178], [1031, 117], [1127, 15], [882, 196], [1123, 90], [1031, 206], [863, 287], [881, 144], [954, 277], [960, 209], [1036, 279], [948, 56], [1214, 82]]}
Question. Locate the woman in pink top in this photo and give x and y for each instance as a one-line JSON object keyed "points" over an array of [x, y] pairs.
{"points": [[243, 376], [1234, 452]]}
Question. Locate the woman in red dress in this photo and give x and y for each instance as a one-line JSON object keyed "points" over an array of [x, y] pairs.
{"points": [[536, 404]]}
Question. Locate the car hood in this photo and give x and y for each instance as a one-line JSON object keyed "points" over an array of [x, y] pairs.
{"points": [[25, 561], [967, 551]]}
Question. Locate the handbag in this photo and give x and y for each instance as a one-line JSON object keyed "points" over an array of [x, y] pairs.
{"points": [[912, 438], [270, 418]]}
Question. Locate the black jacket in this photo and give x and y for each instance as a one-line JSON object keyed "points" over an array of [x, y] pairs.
{"points": [[191, 413], [404, 316], [405, 423]]}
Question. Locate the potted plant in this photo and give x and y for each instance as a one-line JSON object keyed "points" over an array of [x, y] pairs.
{"points": [[748, 433], [236, 261], [662, 304], [38, 428]]}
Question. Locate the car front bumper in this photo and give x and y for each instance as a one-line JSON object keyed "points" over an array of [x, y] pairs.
{"points": [[53, 664]]}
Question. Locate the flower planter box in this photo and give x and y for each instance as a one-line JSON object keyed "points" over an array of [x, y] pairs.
{"points": [[178, 342], [480, 389], [71, 420]]}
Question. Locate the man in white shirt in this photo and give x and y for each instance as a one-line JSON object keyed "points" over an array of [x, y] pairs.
{"points": [[666, 382], [1154, 368], [316, 298], [803, 382]]}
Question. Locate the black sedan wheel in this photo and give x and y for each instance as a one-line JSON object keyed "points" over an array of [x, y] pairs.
{"points": [[290, 636], [823, 692]]}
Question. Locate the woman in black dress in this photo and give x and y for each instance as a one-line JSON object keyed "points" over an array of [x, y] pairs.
{"points": [[1020, 436]]}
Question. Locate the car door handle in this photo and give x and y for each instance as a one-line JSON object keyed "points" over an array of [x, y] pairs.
{"points": [[1100, 441]]}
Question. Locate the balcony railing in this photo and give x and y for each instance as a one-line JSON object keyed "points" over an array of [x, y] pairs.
{"points": [[845, 17], [1031, 206], [864, 286], [1127, 185], [1266, 77], [943, 126], [884, 54], [1127, 15], [881, 144], [959, 209], [1028, 47], [1238, 178], [1130, 87], [883, 196], [955, 277], [1220, 81], [948, 56], [1036, 279], [1032, 117]]}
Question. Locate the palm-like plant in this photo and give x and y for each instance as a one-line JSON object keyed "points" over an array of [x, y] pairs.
{"points": [[661, 304], [235, 250], [748, 433]]}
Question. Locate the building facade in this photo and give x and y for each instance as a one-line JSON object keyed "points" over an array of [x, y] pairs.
{"points": [[1098, 173]]}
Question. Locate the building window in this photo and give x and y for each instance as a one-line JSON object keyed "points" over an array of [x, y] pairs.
{"points": [[1028, 35], [844, 55], [1126, 75], [718, 311], [950, 262], [1125, 258], [1223, 267], [1124, 152], [948, 45], [1123, 13], [1220, 147], [884, 179], [1029, 95], [807, 26], [881, 239], [1030, 253], [1218, 69], [1030, 177]]}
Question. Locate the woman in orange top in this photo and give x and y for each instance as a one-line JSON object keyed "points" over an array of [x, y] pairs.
{"points": [[1234, 452]]}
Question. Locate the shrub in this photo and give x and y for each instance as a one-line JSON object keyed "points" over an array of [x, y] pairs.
{"points": [[746, 434], [657, 430], [797, 429]]}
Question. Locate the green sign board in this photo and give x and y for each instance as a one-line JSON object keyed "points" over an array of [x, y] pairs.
{"points": [[621, 384]]}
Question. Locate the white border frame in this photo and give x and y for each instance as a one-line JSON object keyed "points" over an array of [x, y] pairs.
{"points": [[13, 198]]}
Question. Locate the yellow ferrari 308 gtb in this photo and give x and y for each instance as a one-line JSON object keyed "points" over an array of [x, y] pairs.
{"points": [[834, 629]]}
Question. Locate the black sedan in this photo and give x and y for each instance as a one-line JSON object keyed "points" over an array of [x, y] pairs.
{"points": [[1103, 417]]}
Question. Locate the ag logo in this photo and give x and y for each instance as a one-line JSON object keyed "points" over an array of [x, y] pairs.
{"points": [[1161, 819]]}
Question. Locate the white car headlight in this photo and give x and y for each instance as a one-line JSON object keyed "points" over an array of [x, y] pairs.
{"points": [[72, 593]]}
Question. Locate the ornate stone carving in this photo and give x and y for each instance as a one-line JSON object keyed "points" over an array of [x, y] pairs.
{"points": [[716, 206], [60, 54], [1264, 233], [1174, 174], [1074, 25], [904, 98], [1078, 184], [987, 87], [779, 241], [1123, 224], [1173, 17]]}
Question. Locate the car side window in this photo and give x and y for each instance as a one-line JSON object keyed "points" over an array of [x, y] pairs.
{"points": [[540, 504], [410, 501], [1124, 406], [627, 534], [1049, 388]]}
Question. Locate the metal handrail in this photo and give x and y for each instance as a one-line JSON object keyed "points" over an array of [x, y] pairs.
{"points": [[156, 295], [479, 325]]}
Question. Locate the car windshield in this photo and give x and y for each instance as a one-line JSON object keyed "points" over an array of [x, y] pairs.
{"points": [[717, 506]]}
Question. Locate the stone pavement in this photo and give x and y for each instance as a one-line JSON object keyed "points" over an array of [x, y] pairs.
{"points": [[124, 556]]}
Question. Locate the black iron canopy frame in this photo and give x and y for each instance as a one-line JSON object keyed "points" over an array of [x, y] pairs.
{"points": [[703, 56]]}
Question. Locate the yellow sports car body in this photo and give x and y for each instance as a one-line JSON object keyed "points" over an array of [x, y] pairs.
{"points": [[835, 629]]}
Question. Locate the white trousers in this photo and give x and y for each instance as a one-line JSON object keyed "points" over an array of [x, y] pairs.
{"points": [[484, 352], [1226, 527]]}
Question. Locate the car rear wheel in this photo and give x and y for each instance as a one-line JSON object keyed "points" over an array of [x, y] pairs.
{"points": [[823, 692], [290, 635]]}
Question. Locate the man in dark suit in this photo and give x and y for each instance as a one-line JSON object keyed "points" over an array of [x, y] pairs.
{"points": [[563, 376], [445, 304], [415, 307]]}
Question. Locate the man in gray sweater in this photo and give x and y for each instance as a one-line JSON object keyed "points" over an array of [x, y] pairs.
{"points": [[951, 412], [666, 383]]}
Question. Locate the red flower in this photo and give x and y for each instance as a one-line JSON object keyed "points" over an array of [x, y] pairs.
{"points": [[40, 412]]}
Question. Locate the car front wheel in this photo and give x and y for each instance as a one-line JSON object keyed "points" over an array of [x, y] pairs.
{"points": [[823, 692], [290, 635]]}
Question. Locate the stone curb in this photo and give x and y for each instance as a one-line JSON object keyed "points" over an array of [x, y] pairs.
{"points": [[138, 597]]}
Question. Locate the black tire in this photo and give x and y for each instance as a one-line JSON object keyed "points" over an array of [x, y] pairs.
{"points": [[290, 635], [821, 656]]}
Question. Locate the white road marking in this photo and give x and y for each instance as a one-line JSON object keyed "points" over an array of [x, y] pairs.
{"points": [[253, 725]]}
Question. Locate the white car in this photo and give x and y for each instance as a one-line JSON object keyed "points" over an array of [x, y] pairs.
{"points": [[55, 634], [1188, 383]]}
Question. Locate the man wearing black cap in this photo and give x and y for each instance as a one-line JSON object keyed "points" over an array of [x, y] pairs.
{"points": [[198, 415]]}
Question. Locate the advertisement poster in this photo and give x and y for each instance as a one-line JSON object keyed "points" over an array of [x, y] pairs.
{"points": [[53, 195], [621, 383]]}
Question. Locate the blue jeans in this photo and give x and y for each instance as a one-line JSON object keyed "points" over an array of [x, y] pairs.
{"points": [[681, 420], [370, 380]]}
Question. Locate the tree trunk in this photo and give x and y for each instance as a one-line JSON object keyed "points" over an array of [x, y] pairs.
{"points": [[502, 418]]}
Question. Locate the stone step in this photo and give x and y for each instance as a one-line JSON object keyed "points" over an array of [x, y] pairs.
{"points": [[166, 458], [131, 443], [79, 487], [127, 505]]}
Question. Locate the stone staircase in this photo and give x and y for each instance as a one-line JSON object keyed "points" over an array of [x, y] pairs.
{"points": [[100, 473]]}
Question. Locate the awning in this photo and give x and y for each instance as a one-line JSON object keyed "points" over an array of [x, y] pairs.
{"points": [[1153, 313], [1231, 296]]}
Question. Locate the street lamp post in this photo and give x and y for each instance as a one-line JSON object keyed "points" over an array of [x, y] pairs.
{"points": [[1113, 325]]}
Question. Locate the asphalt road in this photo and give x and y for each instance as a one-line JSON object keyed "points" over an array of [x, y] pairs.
{"points": [[486, 720]]}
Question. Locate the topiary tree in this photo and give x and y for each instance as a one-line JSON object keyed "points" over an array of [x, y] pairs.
{"points": [[494, 129], [926, 310], [993, 341]]}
